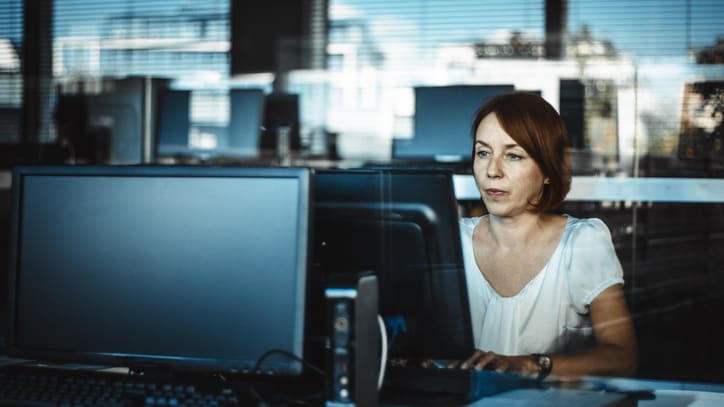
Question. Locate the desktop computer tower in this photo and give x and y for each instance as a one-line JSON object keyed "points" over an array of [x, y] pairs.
{"points": [[353, 354]]}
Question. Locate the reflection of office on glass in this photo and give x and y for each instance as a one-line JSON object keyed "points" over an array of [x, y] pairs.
{"points": [[374, 89], [702, 118]]}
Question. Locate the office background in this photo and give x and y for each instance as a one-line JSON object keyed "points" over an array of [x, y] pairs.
{"points": [[640, 85]]}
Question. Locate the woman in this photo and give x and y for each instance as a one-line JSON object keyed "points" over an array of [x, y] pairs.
{"points": [[545, 289]]}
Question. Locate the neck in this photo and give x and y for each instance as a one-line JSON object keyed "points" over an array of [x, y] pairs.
{"points": [[515, 231]]}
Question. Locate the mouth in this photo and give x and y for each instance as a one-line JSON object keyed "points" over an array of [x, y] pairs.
{"points": [[494, 192]]}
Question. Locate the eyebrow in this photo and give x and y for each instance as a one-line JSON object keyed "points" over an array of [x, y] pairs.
{"points": [[507, 146]]}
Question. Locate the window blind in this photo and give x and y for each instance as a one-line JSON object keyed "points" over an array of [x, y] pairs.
{"points": [[11, 82]]}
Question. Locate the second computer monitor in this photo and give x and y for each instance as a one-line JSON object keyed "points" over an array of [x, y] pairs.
{"points": [[403, 226]]}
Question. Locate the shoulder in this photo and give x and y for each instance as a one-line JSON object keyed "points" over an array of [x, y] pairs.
{"points": [[587, 230], [590, 260], [588, 247]]}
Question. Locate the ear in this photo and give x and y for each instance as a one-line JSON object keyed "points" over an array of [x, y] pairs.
{"points": [[547, 181]]}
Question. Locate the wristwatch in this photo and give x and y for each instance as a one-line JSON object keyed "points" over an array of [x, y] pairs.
{"points": [[545, 364]]}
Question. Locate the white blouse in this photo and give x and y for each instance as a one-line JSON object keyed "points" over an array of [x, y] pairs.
{"points": [[551, 313]]}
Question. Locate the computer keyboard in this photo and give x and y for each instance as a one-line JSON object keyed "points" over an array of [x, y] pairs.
{"points": [[54, 387], [437, 385]]}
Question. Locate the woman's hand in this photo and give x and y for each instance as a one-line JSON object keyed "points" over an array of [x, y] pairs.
{"points": [[500, 363]]}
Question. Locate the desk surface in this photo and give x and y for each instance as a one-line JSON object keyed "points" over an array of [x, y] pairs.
{"points": [[612, 392], [552, 397], [596, 392]]}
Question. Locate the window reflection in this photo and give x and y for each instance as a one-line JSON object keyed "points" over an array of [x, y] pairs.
{"points": [[620, 81], [639, 84]]}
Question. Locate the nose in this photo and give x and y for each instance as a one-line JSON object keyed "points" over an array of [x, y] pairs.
{"points": [[493, 170]]}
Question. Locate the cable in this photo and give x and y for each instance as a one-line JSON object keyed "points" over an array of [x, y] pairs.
{"points": [[288, 400], [383, 356], [289, 355]]}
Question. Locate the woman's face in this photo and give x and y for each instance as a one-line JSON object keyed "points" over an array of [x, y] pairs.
{"points": [[507, 177]]}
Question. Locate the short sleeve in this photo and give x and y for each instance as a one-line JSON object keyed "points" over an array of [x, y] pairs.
{"points": [[593, 264]]}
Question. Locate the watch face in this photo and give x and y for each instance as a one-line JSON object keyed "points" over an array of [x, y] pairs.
{"points": [[544, 361], [545, 364]]}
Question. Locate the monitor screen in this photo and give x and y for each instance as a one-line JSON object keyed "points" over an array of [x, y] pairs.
{"points": [[187, 267], [120, 115], [181, 133], [245, 121], [403, 226], [174, 122], [443, 116]]}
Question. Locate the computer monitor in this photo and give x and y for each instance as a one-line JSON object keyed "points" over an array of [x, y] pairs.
{"points": [[117, 120], [240, 139], [402, 225], [174, 122], [119, 115], [245, 121], [443, 116], [281, 112], [198, 268]]}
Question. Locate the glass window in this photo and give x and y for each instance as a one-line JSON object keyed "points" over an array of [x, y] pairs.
{"points": [[620, 83], [11, 82], [178, 42], [640, 85]]}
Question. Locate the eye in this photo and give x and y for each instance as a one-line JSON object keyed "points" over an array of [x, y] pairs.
{"points": [[483, 154], [514, 157]]}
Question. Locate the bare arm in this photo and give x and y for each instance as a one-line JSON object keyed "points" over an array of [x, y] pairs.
{"points": [[615, 352]]}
